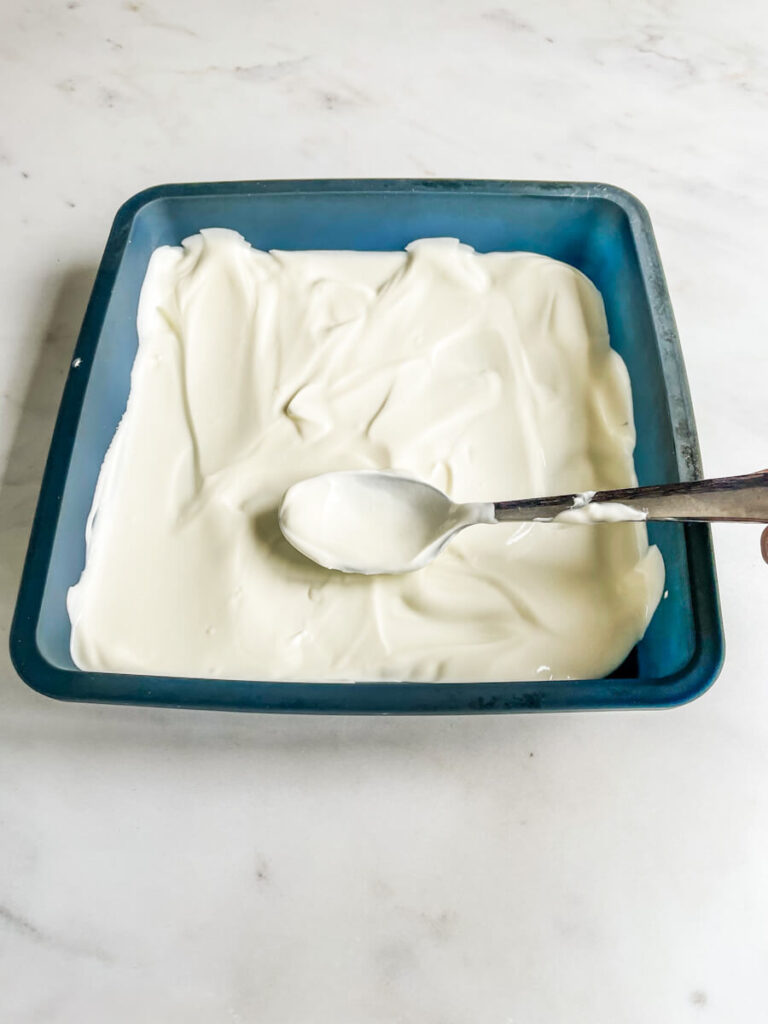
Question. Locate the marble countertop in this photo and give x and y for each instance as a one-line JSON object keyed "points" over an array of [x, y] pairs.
{"points": [[169, 867]]}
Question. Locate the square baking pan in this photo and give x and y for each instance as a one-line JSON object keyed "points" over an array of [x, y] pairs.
{"points": [[602, 230]]}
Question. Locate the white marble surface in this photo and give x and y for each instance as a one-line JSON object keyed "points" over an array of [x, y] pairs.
{"points": [[172, 867]]}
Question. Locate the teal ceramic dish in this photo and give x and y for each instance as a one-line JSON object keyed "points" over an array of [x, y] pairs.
{"points": [[602, 230]]}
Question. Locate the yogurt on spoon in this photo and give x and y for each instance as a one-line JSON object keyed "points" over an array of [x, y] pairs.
{"points": [[373, 522], [380, 522]]}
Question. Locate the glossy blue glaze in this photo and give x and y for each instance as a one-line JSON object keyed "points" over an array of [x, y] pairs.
{"points": [[602, 230]]}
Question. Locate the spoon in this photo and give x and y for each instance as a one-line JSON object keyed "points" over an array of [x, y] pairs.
{"points": [[381, 522]]}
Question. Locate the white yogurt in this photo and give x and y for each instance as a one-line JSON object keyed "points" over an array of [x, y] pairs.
{"points": [[601, 512], [487, 375], [373, 522], [586, 511]]}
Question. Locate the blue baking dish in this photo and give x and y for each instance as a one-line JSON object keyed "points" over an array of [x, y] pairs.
{"points": [[602, 230]]}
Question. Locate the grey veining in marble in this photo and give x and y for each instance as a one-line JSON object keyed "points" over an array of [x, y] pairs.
{"points": [[175, 868]]}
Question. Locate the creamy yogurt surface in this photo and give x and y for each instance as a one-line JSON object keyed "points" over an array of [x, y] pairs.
{"points": [[488, 375]]}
